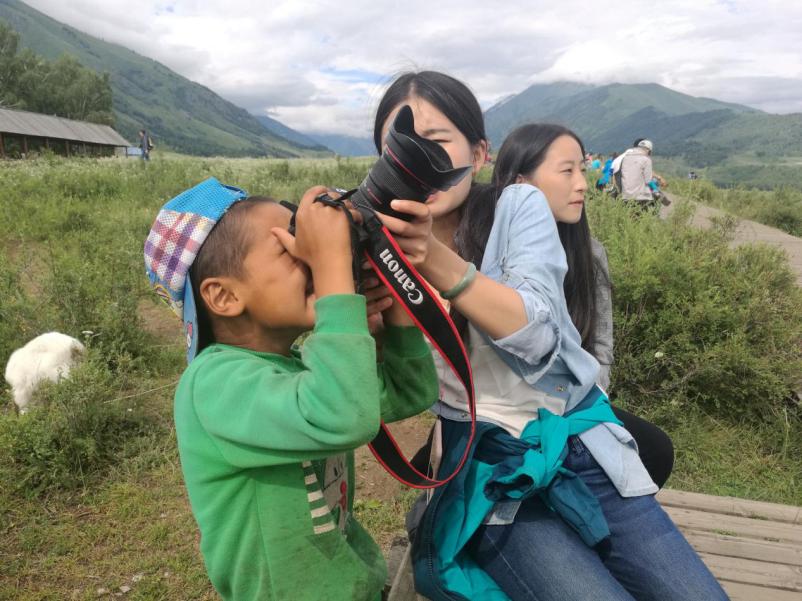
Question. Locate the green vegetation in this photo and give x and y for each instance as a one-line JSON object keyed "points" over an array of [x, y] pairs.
{"points": [[180, 113], [699, 324], [90, 484], [707, 341], [62, 87], [780, 207]]}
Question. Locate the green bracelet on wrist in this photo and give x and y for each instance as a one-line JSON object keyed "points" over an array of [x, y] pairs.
{"points": [[470, 276]]}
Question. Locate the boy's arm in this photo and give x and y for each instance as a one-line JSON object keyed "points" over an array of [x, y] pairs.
{"points": [[260, 413], [407, 375]]}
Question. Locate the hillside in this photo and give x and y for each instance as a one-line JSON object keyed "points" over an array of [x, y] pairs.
{"points": [[595, 111], [700, 132], [278, 128], [350, 146], [180, 113]]}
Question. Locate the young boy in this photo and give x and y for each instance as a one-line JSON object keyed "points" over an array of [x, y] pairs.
{"points": [[266, 433]]}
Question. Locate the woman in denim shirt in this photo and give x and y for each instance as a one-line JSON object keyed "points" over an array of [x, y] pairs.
{"points": [[528, 355], [587, 284]]}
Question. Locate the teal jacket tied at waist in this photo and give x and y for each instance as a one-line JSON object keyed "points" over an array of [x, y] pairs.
{"points": [[503, 467]]}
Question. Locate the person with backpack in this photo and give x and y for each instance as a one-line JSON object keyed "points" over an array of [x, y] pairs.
{"points": [[145, 144], [636, 173]]}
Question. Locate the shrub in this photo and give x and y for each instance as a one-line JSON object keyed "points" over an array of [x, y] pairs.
{"points": [[697, 321]]}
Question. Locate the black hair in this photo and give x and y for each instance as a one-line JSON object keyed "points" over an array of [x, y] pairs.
{"points": [[456, 101], [637, 141], [222, 254], [521, 154]]}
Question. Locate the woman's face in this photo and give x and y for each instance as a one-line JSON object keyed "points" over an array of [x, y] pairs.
{"points": [[561, 177], [433, 125]]}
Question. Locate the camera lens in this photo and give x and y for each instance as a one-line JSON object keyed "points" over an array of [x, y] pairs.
{"points": [[410, 167]]}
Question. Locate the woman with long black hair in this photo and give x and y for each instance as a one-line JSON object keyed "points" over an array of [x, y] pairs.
{"points": [[555, 502], [587, 284]]}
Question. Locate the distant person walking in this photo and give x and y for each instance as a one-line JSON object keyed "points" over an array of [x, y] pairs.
{"points": [[617, 160], [636, 173], [145, 144]]}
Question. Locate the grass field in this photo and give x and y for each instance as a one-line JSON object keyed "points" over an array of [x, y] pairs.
{"points": [[91, 493]]}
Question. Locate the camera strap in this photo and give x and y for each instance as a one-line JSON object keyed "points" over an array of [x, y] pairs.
{"points": [[375, 242], [411, 291]]}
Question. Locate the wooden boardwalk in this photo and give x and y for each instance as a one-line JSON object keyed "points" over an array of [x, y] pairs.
{"points": [[753, 548]]}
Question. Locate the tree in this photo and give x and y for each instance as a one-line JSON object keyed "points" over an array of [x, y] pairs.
{"points": [[9, 41], [62, 87]]}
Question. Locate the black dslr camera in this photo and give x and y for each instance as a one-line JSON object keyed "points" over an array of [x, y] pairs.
{"points": [[410, 167]]}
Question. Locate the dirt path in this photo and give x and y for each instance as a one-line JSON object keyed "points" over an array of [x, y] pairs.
{"points": [[751, 232]]}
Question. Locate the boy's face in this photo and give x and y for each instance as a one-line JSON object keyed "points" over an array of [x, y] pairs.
{"points": [[276, 288]]}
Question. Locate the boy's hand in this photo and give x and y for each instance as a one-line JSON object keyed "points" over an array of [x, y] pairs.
{"points": [[382, 308], [377, 295], [322, 241]]}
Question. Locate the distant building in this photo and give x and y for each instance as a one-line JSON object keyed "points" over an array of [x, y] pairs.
{"points": [[22, 132]]}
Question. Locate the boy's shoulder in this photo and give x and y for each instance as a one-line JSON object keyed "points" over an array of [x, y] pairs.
{"points": [[218, 360]]}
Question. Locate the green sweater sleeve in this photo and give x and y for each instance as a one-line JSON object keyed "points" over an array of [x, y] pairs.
{"points": [[407, 374], [267, 409]]}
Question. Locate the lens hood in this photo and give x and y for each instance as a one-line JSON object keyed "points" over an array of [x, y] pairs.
{"points": [[427, 161], [410, 167]]}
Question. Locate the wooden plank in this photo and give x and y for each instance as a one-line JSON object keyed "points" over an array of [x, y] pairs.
{"points": [[692, 519], [738, 591], [731, 506], [733, 546], [760, 573]]}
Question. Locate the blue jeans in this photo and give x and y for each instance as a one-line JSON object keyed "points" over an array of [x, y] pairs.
{"points": [[540, 558]]}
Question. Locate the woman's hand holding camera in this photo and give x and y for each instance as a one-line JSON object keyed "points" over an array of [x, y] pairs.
{"points": [[415, 236]]}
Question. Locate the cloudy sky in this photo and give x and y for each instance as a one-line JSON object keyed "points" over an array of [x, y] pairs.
{"points": [[320, 66]]}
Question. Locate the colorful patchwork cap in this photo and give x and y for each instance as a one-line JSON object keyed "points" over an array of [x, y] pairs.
{"points": [[181, 227]]}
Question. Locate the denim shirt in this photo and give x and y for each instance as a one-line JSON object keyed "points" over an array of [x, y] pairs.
{"points": [[524, 252]]}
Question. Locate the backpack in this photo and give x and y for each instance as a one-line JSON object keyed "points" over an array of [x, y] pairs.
{"points": [[150, 143]]}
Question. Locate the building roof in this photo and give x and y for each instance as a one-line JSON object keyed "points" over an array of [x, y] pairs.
{"points": [[46, 126]]}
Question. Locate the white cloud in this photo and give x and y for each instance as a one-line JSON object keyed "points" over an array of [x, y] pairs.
{"points": [[315, 66]]}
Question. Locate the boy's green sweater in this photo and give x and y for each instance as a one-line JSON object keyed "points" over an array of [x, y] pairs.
{"points": [[266, 444]]}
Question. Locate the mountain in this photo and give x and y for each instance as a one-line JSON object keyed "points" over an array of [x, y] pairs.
{"points": [[737, 143], [278, 128], [607, 116], [180, 113], [349, 146]]}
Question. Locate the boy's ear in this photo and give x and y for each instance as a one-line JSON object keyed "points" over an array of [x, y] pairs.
{"points": [[222, 297]]}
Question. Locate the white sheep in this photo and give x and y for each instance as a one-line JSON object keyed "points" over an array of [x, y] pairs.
{"points": [[46, 357]]}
